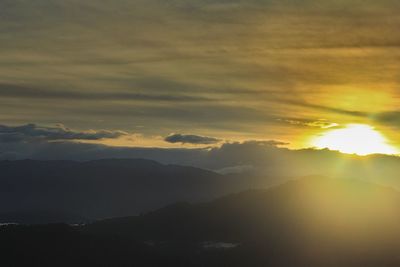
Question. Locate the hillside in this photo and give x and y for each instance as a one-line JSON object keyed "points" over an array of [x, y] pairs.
{"points": [[81, 191], [308, 222]]}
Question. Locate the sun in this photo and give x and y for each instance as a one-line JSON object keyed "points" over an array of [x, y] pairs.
{"points": [[357, 139]]}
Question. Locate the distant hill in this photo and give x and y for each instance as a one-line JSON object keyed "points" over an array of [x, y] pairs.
{"points": [[68, 191], [310, 222], [314, 222], [312, 202]]}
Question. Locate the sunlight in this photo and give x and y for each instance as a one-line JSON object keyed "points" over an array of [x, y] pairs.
{"points": [[357, 139]]}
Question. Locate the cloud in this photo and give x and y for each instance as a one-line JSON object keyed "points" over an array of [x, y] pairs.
{"points": [[355, 113], [36, 133], [23, 92], [390, 118], [321, 123], [273, 143], [191, 139], [238, 55]]}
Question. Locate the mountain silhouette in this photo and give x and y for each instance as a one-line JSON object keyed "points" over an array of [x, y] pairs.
{"points": [[314, 206], [68, 191], [313, 221]]}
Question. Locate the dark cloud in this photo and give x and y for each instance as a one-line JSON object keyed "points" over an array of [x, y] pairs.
{"points": [[18, 91], [34, 133], [273, 143], [319, 123], [336, 110], [191, 139], [390, 118]]}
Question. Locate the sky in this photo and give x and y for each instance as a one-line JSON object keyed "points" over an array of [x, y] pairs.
{"points": [[194, 74]]}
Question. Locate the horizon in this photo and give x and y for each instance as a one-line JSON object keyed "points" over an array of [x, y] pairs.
{"points": [[114, 113]]}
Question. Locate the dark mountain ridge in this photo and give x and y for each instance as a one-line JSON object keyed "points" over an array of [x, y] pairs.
{"points": [[105, 188], [314, 221], [310, 202], [307, 222]]}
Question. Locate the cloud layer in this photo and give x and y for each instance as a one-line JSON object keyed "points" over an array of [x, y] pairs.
{"points": [[233, 68], [35, 133], [191, 139]]}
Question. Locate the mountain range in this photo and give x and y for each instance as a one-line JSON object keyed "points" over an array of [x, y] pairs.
{"points": [[314, 221], [69, 191]]}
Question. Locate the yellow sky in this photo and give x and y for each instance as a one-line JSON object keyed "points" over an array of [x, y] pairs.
{"points": [[234, 71]]}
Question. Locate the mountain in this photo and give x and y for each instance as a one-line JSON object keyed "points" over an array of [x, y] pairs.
{"points": [[307, 218], [69, 191], [313, 221]]}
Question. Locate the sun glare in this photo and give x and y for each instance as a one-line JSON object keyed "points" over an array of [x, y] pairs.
{"points": [[357, 139]]}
